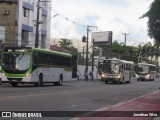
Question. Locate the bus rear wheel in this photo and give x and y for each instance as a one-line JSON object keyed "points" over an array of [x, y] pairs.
{"points": [[59, 83], [14, 84]]}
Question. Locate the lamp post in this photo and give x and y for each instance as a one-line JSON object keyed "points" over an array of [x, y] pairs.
{"points": [[49, 20]]}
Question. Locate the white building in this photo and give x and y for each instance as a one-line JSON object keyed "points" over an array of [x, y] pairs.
{"points": [[21, 29]]}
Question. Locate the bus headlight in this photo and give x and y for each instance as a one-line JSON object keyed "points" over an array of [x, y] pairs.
{"points": [[3, 74], [103, 75], [27, 74], [137, 76], [119, 76], [147, 76]]}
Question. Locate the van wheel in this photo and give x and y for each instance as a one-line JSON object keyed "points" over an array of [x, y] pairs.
{"points": [[14, 84], [40, 81]]}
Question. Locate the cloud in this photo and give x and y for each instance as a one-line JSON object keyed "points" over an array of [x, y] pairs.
{"points": [[109, 15]]}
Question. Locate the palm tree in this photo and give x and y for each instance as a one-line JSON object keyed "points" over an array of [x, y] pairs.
{"points": [[65, 42]]}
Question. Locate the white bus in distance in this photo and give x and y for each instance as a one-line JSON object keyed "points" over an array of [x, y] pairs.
{"points": [[145, 71], [116, 71]]}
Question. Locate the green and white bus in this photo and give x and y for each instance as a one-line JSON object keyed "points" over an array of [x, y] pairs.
{"points": [[145, 71], [116, 71], [34, 65], [0, 65]]}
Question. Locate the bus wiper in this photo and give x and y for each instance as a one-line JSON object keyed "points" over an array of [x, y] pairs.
{"points": [[20, 57]]}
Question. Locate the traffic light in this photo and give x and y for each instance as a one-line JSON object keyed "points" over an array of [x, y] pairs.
{"points": [[84, 39]]}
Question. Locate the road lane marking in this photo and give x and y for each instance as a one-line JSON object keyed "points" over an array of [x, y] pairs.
{"points": [[33, 95]]}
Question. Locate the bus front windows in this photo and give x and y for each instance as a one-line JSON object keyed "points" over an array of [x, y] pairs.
{"points": [[142, 69], [111, 67], [16, 63]]}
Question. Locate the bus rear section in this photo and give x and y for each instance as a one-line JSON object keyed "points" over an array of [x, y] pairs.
{"points": [[146, 72]]}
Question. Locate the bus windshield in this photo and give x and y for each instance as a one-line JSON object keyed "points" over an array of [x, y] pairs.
{"points": [[142, 69], [16, 62], [111, 67]]}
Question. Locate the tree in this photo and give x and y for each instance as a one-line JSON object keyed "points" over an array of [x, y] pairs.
{"points": [[154, 21], [119, 50], [65, 42]]}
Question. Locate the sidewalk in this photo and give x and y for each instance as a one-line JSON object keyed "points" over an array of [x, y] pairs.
{"points": [[147, 105]]}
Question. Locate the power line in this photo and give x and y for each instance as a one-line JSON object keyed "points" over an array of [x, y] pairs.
{"points": [[68, 19]]}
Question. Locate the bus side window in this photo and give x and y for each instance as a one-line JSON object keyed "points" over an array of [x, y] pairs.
{"points": [[122, 66], [35, 58]]}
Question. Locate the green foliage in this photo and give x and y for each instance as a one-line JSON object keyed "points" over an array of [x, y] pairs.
{"points": [[120, 51], [153, 16], [64, 43]]}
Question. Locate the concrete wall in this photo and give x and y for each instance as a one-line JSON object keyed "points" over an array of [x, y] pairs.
{"points": [[13, 22], [82, 71], [9, 22]]}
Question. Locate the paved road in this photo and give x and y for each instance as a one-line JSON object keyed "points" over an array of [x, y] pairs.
{"points": [[72, 96]]}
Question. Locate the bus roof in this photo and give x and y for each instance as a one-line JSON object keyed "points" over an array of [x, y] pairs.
{"points": [[28, 49], [123, 61], [143, 63], [51, 51]]}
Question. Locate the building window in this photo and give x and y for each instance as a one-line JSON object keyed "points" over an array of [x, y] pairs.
{"points": [[25, 12], [44, 22], [25, 36], [43, 39]]}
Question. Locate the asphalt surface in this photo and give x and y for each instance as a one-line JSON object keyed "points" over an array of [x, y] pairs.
{"points": [[72, 96]]}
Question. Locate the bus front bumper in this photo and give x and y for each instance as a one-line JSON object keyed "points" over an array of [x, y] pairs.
{"points": [[5, 79], [110, 79]]}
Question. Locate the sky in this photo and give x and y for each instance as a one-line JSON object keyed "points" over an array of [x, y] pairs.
{"points": [[119, 16]]}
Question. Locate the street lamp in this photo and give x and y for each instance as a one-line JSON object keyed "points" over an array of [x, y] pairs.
{"points": [[49, 20]]}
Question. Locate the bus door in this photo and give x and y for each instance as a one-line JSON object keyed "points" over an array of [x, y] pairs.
{"points": [[126, 72]]}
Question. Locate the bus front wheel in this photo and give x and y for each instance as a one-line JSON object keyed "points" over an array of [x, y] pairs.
{"points": [[40, 81]]}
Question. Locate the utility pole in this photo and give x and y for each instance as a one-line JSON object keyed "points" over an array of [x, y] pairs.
{"points": [[37, 24], [93, 59], [83, 55], [86, 71], [125, 40]]}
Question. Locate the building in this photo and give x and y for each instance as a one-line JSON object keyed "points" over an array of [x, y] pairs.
{"points": [[19, 17]]}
